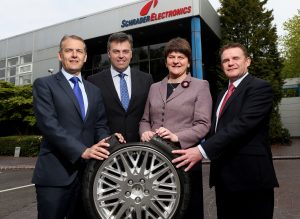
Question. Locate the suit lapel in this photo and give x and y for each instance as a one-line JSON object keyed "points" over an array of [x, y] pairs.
{"points": [[110, 86], [179, 89], [90, 97], [163, 89], [236, 93], [134, 88], [164, 86], [64, 84]]}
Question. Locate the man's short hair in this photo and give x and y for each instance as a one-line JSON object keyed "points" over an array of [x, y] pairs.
{"points": [[119, 37]]}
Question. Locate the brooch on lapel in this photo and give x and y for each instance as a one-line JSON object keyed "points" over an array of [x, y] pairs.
{"points": [[185, 84]]}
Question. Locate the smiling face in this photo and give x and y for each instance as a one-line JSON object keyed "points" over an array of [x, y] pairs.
{"points": [[234, 63], [177, 64], [72, 55], [120, 54]]}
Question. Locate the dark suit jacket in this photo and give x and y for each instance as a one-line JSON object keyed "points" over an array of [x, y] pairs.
{"points": [[65, 134], [126, 123], [186, 112], [239, 148]]}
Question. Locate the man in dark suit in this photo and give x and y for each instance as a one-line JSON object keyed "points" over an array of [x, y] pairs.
{"points": [[122, 118], [242, 170], [74, 129]]}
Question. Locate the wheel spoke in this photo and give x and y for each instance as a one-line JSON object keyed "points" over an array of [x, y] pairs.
{"points": [[136, 183]]}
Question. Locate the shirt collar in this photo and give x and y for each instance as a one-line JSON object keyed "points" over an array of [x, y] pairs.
{"points": [[238, 81], [68, 76], [116, 73]]}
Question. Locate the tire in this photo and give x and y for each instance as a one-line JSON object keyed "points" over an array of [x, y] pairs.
{"points": [[136, 181]]}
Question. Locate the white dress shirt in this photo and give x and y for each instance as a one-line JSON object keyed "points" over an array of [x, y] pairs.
{"points": [[68, 76], [116, 79]]}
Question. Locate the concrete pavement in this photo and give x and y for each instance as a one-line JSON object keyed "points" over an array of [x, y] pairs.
{"points": [[287, 196]]}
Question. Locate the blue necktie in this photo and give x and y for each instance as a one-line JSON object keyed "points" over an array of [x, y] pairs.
{"points": [[124, 91], [78, 94]]}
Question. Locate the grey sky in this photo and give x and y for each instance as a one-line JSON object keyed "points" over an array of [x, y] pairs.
{"points": [[18, 17]]}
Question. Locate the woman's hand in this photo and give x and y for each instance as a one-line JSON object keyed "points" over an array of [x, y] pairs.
{"points": [[166, 134], [146, 136]]}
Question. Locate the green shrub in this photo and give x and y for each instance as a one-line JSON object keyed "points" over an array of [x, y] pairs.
{"points": [[278, 134], [29, 145]]}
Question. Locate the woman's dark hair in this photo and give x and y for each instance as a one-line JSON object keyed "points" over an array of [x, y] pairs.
{"points": [[178, 45]]}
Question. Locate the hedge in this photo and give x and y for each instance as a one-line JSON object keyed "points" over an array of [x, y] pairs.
{"points": [[29, 144]]}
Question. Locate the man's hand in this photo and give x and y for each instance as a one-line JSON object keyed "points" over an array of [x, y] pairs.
{"points": [[97, 151], [188, 157], [166, 134], [146, 136], [120, 138]]}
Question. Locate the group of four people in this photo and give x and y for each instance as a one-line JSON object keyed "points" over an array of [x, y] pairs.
{"points": [[178, 108]]}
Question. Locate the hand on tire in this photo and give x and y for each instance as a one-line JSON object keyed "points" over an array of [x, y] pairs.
{"points": [[189, 157], [97, 151], [146, 136], [166, 134]]}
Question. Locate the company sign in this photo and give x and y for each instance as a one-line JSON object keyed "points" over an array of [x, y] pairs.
{"points": [[148, 14]]}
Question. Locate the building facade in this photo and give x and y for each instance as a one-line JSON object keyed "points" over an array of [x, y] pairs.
{"points": [[25, 57]]}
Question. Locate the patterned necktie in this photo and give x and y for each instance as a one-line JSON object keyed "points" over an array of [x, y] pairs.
{"points": [[229, 92], [124, 91], [78, 94]]}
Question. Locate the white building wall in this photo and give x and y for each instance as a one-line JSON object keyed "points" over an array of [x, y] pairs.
{"points": [[43, 43], [289, 109]]}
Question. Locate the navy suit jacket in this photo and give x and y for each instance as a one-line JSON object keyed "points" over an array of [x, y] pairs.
{"points": [[239, 148], [65, 134], [126, 123]]}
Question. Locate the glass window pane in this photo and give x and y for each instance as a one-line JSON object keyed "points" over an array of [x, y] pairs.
{"points": [[25, 68], [2, 73], [158, 69], [156, 50], [11, 71], [2, 63], [26, 58], [25, 79], [12, 61], [100, 62], [142, 66], [105, 59], [140, 54], [12, 80]]}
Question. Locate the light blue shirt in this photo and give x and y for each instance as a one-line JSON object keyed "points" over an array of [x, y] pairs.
{"points": [[68, 76], [116, 80]]}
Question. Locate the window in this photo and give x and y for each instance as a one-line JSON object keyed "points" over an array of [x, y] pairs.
{"points": [[17, 70], [26, 59], [2, 63], [12, 61], [156, 51], [25, 79], [2, 73], [12, 80], [12, 71], [25, 68]]}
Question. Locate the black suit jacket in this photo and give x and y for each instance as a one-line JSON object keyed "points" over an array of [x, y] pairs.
{"points": [[126, 123], [239, 148], [65, 134]]}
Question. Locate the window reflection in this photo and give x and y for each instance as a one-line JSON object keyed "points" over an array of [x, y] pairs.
{"points": [[146, 58]]}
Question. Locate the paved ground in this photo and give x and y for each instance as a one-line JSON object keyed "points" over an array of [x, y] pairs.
{"points": [[287, 196]]}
